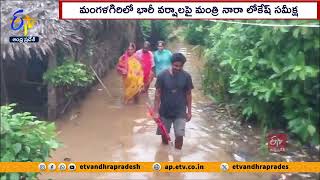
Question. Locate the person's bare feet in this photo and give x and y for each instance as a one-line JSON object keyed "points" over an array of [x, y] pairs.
{"points": [[178, 142]]}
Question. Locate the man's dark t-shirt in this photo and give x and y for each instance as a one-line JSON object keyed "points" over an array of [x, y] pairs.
{"points": [[174, 90]]}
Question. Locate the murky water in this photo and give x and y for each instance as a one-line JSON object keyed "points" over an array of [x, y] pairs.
{"points": [[102, 129]]}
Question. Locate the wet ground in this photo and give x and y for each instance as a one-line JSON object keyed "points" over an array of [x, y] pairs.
{"points": [[102, 129]]}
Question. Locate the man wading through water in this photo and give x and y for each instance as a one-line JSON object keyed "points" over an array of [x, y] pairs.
{"points": [[173, 99]]}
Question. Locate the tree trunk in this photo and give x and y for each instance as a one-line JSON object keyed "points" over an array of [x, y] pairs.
{"points": [[139, 36], [4, 92], [52, 94], [153, 37]]}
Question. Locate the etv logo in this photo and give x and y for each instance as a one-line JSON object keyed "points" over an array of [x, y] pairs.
{"points": [[30, 22], [277, 142], [22, 21]]}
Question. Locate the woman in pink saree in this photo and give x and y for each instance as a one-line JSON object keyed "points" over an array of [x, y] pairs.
{"points": [[146, 59]]}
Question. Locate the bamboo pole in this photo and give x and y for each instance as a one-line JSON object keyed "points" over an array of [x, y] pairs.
{"points": [[104, 87]]}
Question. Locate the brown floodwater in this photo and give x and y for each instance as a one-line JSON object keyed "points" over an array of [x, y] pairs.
{"points": [[101, 128]]}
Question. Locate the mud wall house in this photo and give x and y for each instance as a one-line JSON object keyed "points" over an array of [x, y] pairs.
{"points": [[95, 43]]}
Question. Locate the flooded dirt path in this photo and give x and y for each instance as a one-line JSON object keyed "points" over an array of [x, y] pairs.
{"points": [[102, 129]]}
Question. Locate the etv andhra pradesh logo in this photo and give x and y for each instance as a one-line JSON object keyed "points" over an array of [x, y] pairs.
{"points": [[277, 142], [20, 21]]}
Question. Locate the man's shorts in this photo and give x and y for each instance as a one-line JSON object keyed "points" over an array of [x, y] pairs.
{"points": [[179, 125]]}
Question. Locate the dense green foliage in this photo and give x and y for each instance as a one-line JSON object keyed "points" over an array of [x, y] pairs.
{"points": [[70, 73], [271, 72], [24, 138], [196, 32], [160, 29], [145, 26], [155, 30]]}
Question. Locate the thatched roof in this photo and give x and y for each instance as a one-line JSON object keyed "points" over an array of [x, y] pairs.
{"points": [[50, 30]]}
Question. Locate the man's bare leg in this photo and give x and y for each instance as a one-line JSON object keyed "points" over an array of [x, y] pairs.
{"points": [[178, 142], [164, 140]]}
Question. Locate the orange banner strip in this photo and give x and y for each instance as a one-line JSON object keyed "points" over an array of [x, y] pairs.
{"points": [[249, 167]]}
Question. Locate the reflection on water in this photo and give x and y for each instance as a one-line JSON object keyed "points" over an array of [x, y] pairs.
{"points": [[106, 130]]}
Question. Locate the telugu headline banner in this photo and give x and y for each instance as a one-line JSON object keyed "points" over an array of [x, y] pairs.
{"points": [[232, 167], [173, 10]]}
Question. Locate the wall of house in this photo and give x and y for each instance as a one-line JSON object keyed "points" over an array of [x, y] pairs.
{"points": [[101, 48], [23, 84]]}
